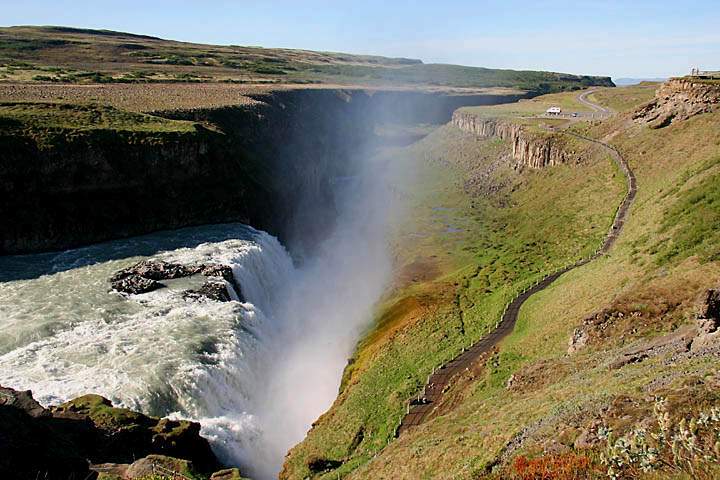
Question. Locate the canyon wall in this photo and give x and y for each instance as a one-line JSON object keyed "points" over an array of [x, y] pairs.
{"points": [[528, 149], [271, 165]]}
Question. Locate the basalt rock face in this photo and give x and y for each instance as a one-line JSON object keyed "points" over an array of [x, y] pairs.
{"points": [[679, 99], [528, 150], [79, 187], [62, 442], [270, 165]]}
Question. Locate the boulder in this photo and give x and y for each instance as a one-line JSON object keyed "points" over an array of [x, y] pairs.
{"points": [[708, 322], [22, 400], [158, 465], [134, 284], [223, 271], [33, 443], [213, 290], [216, 270], [578, 340], [155, 270]]}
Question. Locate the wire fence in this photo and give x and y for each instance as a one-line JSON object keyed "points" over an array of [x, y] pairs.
{"points": [[507, 321], [158, 469]]}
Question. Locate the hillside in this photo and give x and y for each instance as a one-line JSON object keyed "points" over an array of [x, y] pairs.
{"points": [[606, 368], [72, 56]]}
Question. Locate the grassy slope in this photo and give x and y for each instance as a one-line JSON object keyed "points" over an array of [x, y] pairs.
{"points": [[50, 116], [628, 98], [60, 54], [52, 125], [675, 167], [538, 221], [655, 283]]}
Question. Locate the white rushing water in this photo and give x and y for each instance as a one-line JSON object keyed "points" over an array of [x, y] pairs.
{"points": [[64, 334], [255, 373]]}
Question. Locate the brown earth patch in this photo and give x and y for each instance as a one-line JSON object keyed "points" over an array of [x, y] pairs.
{"points": [[658, 305], [141, 98], [422, 269], [539, 375]]}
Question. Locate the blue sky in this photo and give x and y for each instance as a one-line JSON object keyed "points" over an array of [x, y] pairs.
{"points": [[636, 38]]}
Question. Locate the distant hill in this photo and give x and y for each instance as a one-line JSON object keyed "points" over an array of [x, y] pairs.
{"points": [[623, 82], [73, 55]]}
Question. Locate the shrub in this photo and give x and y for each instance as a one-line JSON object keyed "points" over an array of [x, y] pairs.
{"points": [[690, 447]]}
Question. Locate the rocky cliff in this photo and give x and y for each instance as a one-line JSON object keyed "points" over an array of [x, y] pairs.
{"points": [[270, 165], [679, 99], [67, 441], [531, 150]]}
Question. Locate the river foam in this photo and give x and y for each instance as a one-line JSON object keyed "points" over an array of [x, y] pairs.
{"points": [[64, 334], [255, 373]]}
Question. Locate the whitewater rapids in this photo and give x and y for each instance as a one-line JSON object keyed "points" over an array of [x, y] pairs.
{"points": [[255, 373], [64, 334]]}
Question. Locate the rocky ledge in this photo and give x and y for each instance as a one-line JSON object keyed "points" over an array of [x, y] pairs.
{"points": [[528, 150], [679, 99], [700, 338], [145, 277], [88, 437]]}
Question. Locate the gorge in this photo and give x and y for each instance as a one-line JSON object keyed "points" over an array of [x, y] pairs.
{"points": [[257, 371], [226, 262]]}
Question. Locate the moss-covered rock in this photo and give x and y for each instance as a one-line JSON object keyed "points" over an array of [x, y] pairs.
{"points": [[62, 442], [159, 465], [227, 474], [122, 435]]}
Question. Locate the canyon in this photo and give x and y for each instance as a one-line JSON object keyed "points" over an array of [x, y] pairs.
{"points": [[264, 164], [273, 274]]}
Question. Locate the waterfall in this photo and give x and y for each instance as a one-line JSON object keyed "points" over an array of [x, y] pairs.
{"points": [[255, 373], [65, 335]]}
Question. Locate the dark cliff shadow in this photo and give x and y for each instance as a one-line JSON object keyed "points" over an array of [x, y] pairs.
{"points": [[26, 267], [40, 447]]}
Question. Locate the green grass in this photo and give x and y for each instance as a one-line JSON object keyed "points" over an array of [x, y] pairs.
{"points": [[570, 392], [524, 109], [536, 220], [626, 98], [48, 116], [90, 50], [499, 250], [691, 226]]}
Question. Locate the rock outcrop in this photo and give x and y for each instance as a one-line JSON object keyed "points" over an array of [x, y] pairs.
{"points": [[528, 149], [34, 444], [64, 441], [145, 276], [708, 322], [679, 99], [212, 290]]}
